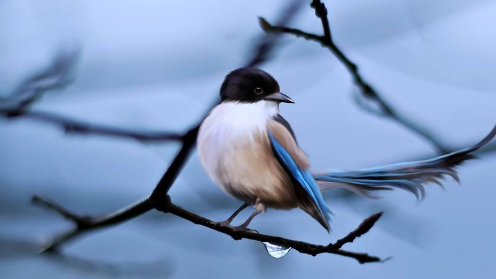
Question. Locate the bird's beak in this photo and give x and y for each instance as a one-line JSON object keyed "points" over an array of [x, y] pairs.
{"points": [[279, 97]]}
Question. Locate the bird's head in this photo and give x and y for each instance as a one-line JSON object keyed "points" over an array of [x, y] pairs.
{"points": [[251, 85]]}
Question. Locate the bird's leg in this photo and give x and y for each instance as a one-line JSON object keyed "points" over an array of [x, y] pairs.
{"points": [[247, 222], [231, 218], [259, 207]]}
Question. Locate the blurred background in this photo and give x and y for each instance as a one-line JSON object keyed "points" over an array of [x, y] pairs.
{"points": [[158, 65]]}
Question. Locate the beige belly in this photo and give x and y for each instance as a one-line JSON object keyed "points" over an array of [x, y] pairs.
{"points": [[245, 168]]}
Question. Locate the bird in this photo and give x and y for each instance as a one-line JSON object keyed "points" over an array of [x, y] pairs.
{"points": [[251, 152]]}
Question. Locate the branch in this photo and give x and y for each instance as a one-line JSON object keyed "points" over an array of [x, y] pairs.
{"points": [[58, 75], [300, 246], [86, 223], [73, 126], [366, 89], [262, 51]]}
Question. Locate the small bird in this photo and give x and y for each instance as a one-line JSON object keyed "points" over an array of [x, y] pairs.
{"points": [[250, 151]]}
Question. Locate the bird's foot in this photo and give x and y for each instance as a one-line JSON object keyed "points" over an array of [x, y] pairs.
{"points": [[228, 221]]}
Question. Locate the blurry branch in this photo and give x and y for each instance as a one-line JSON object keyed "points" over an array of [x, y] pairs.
{"points": [[73, 126], [166, 206], [56, 76], [367, 91], [160, 200]]}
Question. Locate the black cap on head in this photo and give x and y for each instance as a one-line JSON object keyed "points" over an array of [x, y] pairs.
{"points": [[248, 85]]}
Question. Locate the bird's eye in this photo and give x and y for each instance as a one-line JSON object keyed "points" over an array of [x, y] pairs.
{"points": [[258, 90]]}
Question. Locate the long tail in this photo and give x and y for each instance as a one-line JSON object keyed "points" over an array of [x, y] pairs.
{"points": [[409, 176]]}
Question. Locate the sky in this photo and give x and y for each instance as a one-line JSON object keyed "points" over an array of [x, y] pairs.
{"points": [[158, 65]]}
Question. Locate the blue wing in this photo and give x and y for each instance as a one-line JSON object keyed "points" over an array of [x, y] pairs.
{"points": [[303, 179]]}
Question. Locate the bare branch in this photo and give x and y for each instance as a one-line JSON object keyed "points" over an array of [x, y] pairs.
{"points": [[85, 224], [300, 246], [57, 75], [262, 51], [367, 91], [364, 227], [57, 208], [268, 28], [73, 126]]}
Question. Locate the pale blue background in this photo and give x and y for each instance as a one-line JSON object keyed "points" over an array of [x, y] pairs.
{"points": [[158, 64]]}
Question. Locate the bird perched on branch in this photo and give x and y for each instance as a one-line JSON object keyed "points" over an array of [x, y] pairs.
{"points": [[251, 152]]}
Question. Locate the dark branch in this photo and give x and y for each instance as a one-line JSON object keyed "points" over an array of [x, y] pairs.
{"points": [[321, 12], [73, 126], [364, 227], [263, 50], [367, 91], [57, 208], [300, 246], [85, 224]]}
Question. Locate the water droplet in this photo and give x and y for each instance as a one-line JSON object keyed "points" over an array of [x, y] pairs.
{"points": [[276, 251]]}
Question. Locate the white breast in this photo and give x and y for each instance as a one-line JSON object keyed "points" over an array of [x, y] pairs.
{"points": [[234, 150]]}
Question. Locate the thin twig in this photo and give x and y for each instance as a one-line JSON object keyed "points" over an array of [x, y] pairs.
{"points": [[366, 89], [57, 75], [364, 227], [57, 208]]}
